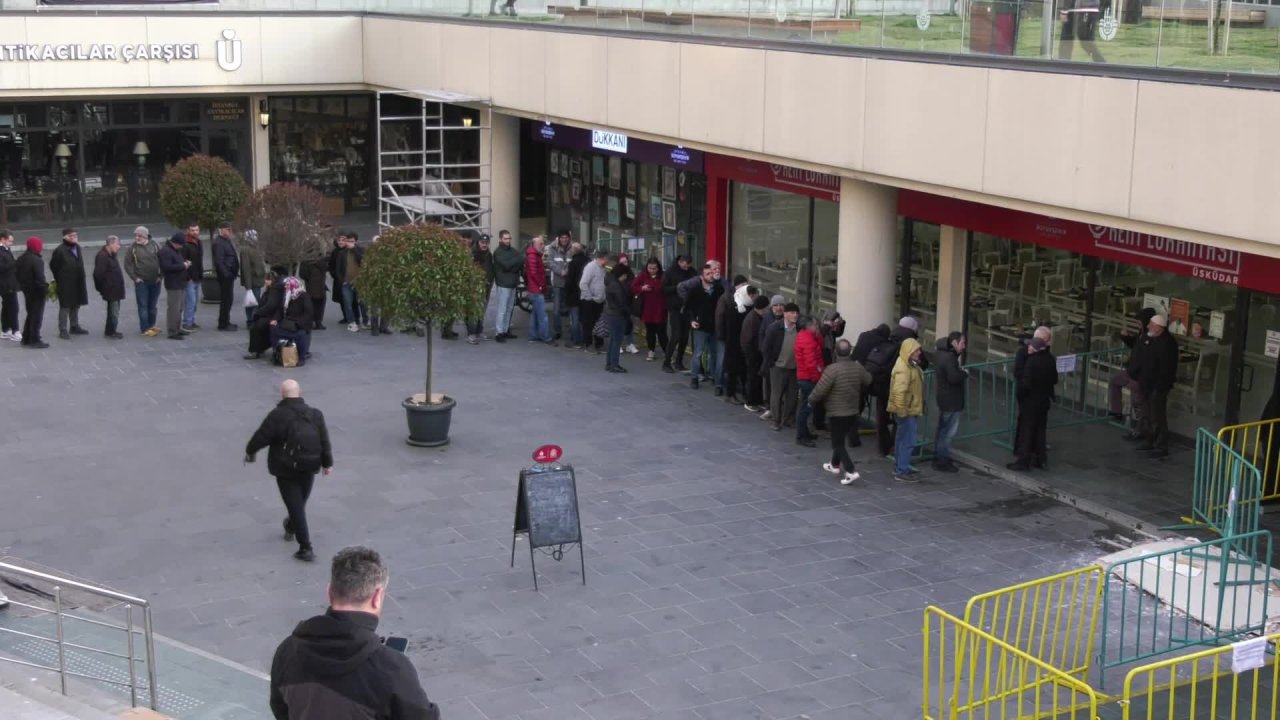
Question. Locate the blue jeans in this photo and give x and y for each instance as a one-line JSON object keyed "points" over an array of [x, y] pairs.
{"points": [[719, 363], [352, 308], [506, 301], [538, 329], [904, 444], [248, 312], [557, 299], [802, 416], [948, 424], [575, 330], [190, 302], [703, 340], [617, 328], [147, 294]]}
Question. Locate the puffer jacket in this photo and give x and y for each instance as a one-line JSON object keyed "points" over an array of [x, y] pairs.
{"points": [[906, 388], [841, 388], [808, 356], [535, 271]]}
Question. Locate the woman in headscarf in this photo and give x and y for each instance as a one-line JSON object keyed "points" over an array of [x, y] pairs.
{"points": [[265, 314], [296, 319]]}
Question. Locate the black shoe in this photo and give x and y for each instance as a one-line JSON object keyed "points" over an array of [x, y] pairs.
{"points": [[37, 345], [1158, 453], [719, 392], [1020, 467], [946, 467], [317, 326], [732, 398], [177, 336], [619, 369], [679, 367], [1146, 447], [114, 336], [806, 442], [194, 326], [500, 337], [250, 356], [448, 336], [694, 383], [64, 335], [185, 331], [79, 331], [1134, 437], [374, 331], [1040, 465], [666, 368], [288, 531], [229, 327], [305, 554]]}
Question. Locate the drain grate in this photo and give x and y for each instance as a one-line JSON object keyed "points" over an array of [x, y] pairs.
{"points": [[171, 701]]}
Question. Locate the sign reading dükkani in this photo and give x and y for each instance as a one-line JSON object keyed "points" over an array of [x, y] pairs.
{"points": [[229, 52]]}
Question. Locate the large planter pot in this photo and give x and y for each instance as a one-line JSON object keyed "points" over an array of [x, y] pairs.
{"points": [[428, 424], [210, 292]]}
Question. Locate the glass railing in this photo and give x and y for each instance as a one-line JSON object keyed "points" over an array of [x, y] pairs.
{"points": [[1242, 37]]}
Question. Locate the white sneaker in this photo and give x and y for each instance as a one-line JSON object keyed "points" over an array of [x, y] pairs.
{"points": [[6, 335], [649, 356], [766, 415], [633, 349], [831, 468], [16, 336], [353, 328], [850, 478]]}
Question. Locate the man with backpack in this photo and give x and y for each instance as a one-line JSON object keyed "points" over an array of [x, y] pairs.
{"points": [[299, 448]]}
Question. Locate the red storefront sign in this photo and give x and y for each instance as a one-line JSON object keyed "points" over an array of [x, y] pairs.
{"points": [[1220, 265], [778, 177]]}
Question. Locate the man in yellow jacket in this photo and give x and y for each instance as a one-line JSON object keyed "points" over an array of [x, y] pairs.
{"points": [[906, 405]]}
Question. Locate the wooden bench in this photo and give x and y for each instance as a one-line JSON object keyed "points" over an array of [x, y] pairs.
{"points": [[1239, 15]]}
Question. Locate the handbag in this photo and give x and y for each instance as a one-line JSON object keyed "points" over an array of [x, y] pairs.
{"points": [[637, 306], [250, 300], [601, 330]]}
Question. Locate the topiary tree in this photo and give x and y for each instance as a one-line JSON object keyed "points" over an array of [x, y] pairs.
{"points": [[287, 217], [201, 189], [421, 273]]}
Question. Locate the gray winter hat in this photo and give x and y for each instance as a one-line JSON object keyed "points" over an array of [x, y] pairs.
{"points": [[777, 300], [909, 323]]}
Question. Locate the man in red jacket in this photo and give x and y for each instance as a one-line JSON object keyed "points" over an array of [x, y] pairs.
{"points": [[808, 373], [535, 284]]}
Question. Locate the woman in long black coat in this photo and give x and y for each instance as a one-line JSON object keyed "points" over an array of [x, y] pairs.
{"points": [[268, 310]]}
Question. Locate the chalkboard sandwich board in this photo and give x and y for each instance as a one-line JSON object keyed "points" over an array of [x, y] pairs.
{"points": [[547, 513]]}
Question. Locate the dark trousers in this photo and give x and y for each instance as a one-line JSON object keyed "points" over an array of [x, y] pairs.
{"points": [[294, 491], [844, 430], [113, 317], [1157, 405], [802, 422], [173, 300], [590, 312], [1033, 425], [226, 296], [734, 370], [755, 383], [35, 317], [782, 382], [1116, 388], [679, 340], [884, 423], [317, 312], [656, 333], [9, 312]]}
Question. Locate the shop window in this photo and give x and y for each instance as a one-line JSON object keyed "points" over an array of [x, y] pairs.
{"points": [[921, 293], [315, 142], [126, 113], [770, 241]]}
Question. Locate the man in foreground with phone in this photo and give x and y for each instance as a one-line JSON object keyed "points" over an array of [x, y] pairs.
{"points": [[335, 665]]}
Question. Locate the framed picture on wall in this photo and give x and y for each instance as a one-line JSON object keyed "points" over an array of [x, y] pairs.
{"points": [[615, 173], [631, 178], [655, 207], [577, 189], [555, 164], [613, 210], [669, 183], [631, 207], [668, 215], [597, 171], [564, 166], [575, 168]]}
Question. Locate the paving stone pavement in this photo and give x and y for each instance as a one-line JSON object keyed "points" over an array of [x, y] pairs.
{"points": [[728, 576]]}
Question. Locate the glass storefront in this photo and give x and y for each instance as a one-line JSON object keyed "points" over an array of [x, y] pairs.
{"points": [[324, 142], [919, 294], [102, 160], [785, 243]]}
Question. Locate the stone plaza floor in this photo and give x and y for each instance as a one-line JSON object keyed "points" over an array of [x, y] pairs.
{"points": [[728, 576]]}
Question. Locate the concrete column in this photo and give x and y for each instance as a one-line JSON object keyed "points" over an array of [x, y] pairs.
{"points": [[867, 255], [260, 142], [500, 150], [952, 251]]}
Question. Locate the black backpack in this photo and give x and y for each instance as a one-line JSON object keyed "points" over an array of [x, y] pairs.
{"points": [[302, 448], [880, 363]]}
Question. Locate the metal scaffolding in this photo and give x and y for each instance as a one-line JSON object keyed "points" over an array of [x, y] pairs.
{"points": [[433, 159]]}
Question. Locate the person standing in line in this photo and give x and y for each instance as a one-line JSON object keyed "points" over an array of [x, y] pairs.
{"points": [[678, 340], [226, 267], [298, 443], [67, 268], [1125, 378], [839, 392], [809, 365], [253, 269], [507, 266], [315, 277], [832, 329], [573, 295], [653, 307], [108, 280], [535, 286], [591, 288], [558, 257], [1035, 397], [617, 309], [1020, 362], [193, 253], [483, 259], [951, 379], [730, 313], [335, 666], [8, 290], [906, 404], [1156, 378], [777, 306], [623, 263], [29, 274], [142, 265], [780, 358], [751, 356], [700, 307], [174, 266], [344, 267]]}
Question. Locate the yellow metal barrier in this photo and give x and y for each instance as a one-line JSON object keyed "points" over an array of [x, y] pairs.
{"points": [[1204, 686], [973, 675], [1259, 443], [1053, 619]]}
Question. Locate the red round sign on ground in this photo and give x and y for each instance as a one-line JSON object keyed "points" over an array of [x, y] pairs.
{"points": [[547, 454]]}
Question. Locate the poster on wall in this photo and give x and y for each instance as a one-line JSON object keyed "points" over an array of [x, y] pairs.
{"points": [[631, 178], [575, 168], [1159, 303], [1179, 316], [1272, 348], [655, 207], [613, 211], [555, 164], [668, 250], [669, 183], [597, 170], [615, 173], [1217, 324], [631, 208], [668, 216], [577, 189]]}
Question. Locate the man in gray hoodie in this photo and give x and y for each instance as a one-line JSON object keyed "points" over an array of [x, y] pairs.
{"points": [[592, 299], [558, 255], [142, 265]]}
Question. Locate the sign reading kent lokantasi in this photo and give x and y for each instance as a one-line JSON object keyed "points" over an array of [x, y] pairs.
{"points": [[228, 51]]}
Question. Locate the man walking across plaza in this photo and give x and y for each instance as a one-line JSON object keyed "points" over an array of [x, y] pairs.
{"points": [[591, 297], [335, 666], [558, 257], [840, 392], [193, 253], [950, 378], [29, 272], [226, 266], [108, 280], [8, 290], [507, 266], [906, 404], [142, 265], [299, 448], [535, 286], [67, 268], [174, 268]]}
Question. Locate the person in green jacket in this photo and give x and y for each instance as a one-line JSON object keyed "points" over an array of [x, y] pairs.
{"points": [[507, 265], [840, 391]]}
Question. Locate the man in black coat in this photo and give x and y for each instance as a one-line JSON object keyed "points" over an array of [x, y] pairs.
{"points": [[108, 280], [573, 293], [679, 329], [483, 258], [174, 267], [1126, 377], [700, 309], [1034, 390], [29, 273], [1157, 373], [299, 448], [8, 290], [335, 666], [67, 268], [226, 266], [193, 253]]}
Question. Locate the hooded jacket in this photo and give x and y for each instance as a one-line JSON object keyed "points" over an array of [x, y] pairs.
{"points": [[335, 667], [591, 286], [274, 431], [484, 260], [617, 297], [253, 270], [558, 263], [535, 271], [949, 377], [906, 387]]}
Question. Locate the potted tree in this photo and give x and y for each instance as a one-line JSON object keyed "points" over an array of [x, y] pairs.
{"points": [[205, 190], [423, 273], [287, 217]]}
